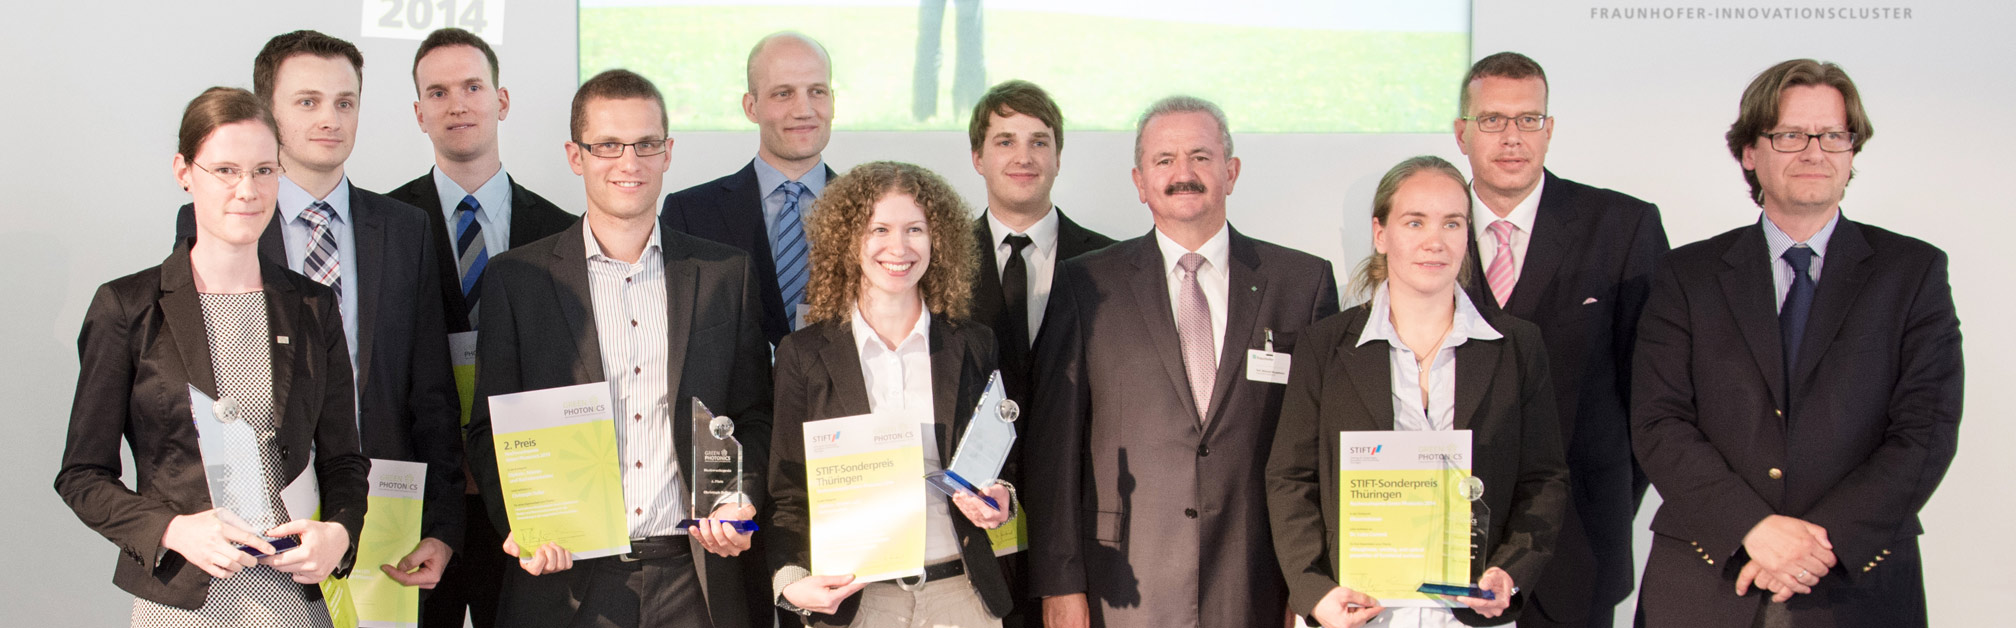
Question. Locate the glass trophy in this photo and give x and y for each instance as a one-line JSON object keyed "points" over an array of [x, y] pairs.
{"points": [[984, 448], [715, 471], [233, 466], [1472, 546]]}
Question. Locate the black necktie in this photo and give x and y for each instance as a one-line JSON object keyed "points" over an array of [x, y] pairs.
{"points": [[1798, 305], [1015, 291]]}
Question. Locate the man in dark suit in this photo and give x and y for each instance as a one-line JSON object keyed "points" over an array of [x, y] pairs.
{"points": [[1017, 137], [1798, 388], [663, 318], [760, 208], [1148, 435], [475, 211], [374, 252], [1576, 261]]}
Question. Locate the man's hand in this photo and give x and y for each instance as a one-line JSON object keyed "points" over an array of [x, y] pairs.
{"points": [[323, 545], [422, 567], [549, 558], [1345, 608], [1790, 554], [978, 512], [1498, 582], [207, 542], [821, 594], [1765, 580], [1066, 611], [720, 538]]}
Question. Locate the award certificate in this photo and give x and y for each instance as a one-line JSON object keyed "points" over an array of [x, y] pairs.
{"points": [[865, 494], [1403, 520], [556, 462], [462, 359], [391, 530]]}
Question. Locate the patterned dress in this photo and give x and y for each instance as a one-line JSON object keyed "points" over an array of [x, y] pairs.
{"points": [[258, 596]]}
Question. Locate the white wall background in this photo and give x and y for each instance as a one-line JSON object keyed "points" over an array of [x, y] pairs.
{"points": [[94, 92]]}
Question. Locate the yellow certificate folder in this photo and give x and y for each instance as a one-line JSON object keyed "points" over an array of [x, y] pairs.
{"points": [[1403, 520], [556, 461], [866, 494], [462, 362], [391, 531]]}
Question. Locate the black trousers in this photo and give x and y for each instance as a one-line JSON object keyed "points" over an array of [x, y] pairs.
{"points": [[473, 577], [609, 592]]}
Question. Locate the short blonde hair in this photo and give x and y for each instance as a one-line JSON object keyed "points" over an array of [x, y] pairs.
{"points": [[839, 221]]}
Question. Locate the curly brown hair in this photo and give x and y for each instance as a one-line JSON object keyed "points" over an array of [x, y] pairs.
{"points": [[839, 221]]}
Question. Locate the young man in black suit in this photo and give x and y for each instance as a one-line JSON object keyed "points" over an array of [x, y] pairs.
{"points": [[760, 208], [374, 252], [1798, 387], [475, 211], [1576, 261], [1017, 137]]}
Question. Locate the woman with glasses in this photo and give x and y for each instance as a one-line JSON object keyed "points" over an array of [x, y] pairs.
{"points": [[213, 322], [1418, 356], [892, 260]]}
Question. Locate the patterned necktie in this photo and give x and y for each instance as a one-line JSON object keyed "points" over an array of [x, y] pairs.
{"points": [[1798, 305], [471, 256], [1193, 327], [1015, 290], [322, 264], [788, 238], [1501, 276]]}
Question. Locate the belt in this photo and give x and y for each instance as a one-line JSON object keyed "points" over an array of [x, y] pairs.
{"points": [[948, 569], [657, 547]]}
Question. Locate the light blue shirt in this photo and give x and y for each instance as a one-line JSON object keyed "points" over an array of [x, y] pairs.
{"points": [[768, 179], [494, 196], [298, 233], [1776, 242]]}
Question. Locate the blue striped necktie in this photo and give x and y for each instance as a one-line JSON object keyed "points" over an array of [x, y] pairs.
{"points": [[322, 263], [471, 256], [788, 240]]}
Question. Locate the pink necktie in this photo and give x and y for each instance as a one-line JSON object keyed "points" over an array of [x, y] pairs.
{"points": [[1501, 275], [1193, 326]]}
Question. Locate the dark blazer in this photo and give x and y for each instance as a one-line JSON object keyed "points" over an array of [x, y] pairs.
{"points": [[539, 332], [406, 401], [142, 345], [1587, 270], [1855, 442], [532, 218], [729, 210], [1072, 241], [818, 378], [1503, 395], [1159, 520]]}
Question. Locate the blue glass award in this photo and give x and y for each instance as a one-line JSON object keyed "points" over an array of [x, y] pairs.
{"points": [[982, 451], [715, 471], [240, 487]]}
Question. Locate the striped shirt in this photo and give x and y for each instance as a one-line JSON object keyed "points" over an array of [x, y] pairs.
{"points": [[630, 323]]}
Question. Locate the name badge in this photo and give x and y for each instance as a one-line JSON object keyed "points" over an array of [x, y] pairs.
{"points": [[1264, 365]]}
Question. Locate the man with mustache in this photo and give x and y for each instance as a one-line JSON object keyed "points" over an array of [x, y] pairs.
{"points": [[1576, 261], [1149, 433]]}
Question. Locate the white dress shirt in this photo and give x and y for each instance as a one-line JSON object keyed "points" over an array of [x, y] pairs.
{"points": [[1213, 277], [899, 382], [1522, 233], [1039, 259], [1776, 241], [1408, 412], [494, 196], [631, 325]]}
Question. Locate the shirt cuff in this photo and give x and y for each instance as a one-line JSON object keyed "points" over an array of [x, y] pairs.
{"points": [[786, 576]]}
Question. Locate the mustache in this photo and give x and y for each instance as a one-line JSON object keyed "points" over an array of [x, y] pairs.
{"points": [[1184, 186]]}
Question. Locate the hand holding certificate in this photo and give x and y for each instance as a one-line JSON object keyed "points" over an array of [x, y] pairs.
{"points": [[1406, 515], [865, 479], [556, 460]]}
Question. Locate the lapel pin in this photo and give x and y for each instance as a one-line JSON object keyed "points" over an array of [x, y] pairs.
{"points": [[280, 339]]}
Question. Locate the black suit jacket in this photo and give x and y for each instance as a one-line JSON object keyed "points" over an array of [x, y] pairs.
{"points": [[532, 217], [539, 332], [729, 210], [142, 345], [818, 378], [1072, 241], [1503, 395], [1855, 442], [1587, 270], [1161, 521], [406, 401]]}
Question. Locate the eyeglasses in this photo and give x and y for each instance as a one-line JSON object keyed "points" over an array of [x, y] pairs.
{"points": [[1496, 124], [1795, 141], [612, 150], [233, 175]]}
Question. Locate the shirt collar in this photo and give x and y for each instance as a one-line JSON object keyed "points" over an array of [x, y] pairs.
{"points": [[497, 189], [1469, 322], [768, 178], [595, 248], [293, 199], [866, 341], [1776, 241], [1042, 235], [1214, 250], [1522, 215]]}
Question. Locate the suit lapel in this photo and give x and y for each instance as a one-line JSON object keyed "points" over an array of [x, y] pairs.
{"points": [[1072, 240], [1370, 369], [1550, 241], [842, 361], [946, 349], [1747, 285], [682, 290], [1245, 290], [988, 306], [522, 207], [182, 311], [282, 310], [1841, 280], [370, 240], [569, 269], [272, 244], [1151, 299], [1476, 364]]}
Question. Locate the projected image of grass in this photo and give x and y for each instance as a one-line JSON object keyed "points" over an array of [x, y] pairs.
{"points": [[1103, 71]]}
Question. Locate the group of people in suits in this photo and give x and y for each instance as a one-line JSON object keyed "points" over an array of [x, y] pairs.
{"points": [[1165, 481]]}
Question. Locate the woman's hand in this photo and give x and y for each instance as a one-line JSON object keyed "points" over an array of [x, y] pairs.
{"points": [[1345, 608], [978, 512], [1498, 582], [549, 558], [323, 545], [821, 594], [208, 543]]}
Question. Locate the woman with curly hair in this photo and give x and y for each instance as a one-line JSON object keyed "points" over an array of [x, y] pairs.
{"points": [[888, 331]]}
